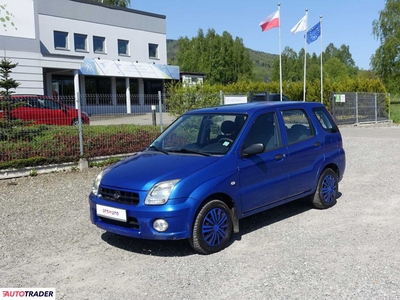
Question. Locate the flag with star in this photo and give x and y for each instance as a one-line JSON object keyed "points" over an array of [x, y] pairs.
{"points": [[314, 33]]}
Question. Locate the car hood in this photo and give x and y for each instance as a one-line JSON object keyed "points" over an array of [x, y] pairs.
{"points": [[143, 170]]}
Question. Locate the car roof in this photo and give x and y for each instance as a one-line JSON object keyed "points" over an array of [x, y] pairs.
{"points": [[251, 107]]}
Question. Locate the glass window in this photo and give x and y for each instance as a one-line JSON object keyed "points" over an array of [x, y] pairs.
{"points": [[98, 90], [50, 104], [80, 42], [298, 126], [151, 89], [121, 91], [60, 40], [134, 88], [99, 44], [153, 51], [201, 133], [265, 130], [123, 47], [326, 120]]}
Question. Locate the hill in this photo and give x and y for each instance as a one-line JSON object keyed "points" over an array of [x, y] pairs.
{"points": [[263, 62]]}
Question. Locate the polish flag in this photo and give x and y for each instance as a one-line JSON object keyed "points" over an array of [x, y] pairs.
{"points": [[270, 22]]}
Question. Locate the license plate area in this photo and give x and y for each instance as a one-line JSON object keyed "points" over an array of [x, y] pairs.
{"points": [[111, 213]]}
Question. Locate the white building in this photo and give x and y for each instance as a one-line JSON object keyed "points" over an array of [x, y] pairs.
{"points": [[112, 56]]}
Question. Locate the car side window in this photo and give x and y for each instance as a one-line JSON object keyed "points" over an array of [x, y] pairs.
{"points": [[265, 130], [325, 119], [298, 125], [33, 102], [47, 103]]}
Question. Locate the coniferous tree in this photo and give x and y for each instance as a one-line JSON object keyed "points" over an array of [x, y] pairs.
{"points": [[7, 84], [223, 59]]}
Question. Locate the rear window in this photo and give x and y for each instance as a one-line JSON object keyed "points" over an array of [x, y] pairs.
{"points": [[325, 120], [297, 124]]}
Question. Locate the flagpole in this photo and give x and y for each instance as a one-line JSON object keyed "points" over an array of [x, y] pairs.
{"points": [[305, 57], [322, 91], [280, 53]]}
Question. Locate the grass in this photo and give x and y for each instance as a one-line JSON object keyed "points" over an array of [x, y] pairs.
{"points": [[395, 109]]}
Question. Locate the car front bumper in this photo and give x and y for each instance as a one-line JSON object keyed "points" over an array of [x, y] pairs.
{"points": [[178, 213]]}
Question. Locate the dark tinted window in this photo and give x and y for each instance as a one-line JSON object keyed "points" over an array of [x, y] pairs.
{"points": [[264, 130], [298, 125], [325, 120], [60, 40]]}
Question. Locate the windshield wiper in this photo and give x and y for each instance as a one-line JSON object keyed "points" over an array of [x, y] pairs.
{"points": [[159, 149], [184, 150]]}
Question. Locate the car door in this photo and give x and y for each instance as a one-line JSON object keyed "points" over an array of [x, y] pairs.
{"points": [[27, 110], [305, 150], [263, 177], [52, 112]]}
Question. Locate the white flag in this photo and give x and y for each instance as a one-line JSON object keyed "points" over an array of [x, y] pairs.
{"points": [[300, 26]]}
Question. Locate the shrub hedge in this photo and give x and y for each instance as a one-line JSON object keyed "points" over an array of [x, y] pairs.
{"points": [[42, 145], [181, 99]]}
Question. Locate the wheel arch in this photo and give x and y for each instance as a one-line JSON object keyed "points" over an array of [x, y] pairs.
{"points": [[332, 166], [228, 201]]}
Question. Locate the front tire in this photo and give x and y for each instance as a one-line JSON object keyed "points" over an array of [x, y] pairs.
{"points": [[212, 228], [327, 189]]}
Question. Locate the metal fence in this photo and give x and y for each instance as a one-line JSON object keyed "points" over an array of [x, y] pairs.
{"points": [[354, 108], [40, 130]]}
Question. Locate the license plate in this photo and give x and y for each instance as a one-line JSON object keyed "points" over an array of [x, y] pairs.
{"points": [[111, 212]]}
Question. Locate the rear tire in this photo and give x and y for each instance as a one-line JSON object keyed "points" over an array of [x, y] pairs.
{"points": [[75, 122], [212, 228], [327, 189]]}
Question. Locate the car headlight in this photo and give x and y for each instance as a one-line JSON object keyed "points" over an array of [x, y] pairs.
{"points": [[96, 183], [159, 193]]}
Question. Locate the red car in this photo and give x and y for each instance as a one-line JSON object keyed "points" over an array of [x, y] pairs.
{"points": [[45, 110]]}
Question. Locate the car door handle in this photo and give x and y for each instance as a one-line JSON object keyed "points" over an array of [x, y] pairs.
{"points": [[280, 156], [317, 144]]}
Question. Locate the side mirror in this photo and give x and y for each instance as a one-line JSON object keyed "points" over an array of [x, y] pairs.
{"points": [[253, 149]]}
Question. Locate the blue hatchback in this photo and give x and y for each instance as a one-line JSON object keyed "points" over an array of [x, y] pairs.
{"points": [[214, 166]]}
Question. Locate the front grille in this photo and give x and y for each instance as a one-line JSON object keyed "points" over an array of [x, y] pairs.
{"points": [[131, 222], [119, 196]]}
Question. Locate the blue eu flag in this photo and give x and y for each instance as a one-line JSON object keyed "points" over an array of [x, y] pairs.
{"points": [[314, 33]]}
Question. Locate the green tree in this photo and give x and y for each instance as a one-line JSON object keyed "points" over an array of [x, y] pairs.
{"points": [[293, 64], [386, 60], [335, 70], [342, 54], [122, 3], [7, 84], [223, 59]]}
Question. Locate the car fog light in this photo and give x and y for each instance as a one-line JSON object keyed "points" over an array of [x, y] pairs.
{"points": [[160, 225]]}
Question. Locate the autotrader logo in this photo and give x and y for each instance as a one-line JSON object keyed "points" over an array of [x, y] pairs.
{"points": [[46, 293]]}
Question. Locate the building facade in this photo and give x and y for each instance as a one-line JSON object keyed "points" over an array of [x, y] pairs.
{"points": [[111, 58]]}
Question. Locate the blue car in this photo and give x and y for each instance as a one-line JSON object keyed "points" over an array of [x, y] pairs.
{"points": [[215, 166]]}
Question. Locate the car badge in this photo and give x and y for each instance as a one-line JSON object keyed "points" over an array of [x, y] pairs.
{"points": [[116, 195]]}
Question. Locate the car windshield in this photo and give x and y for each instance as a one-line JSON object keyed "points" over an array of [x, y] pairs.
{"points": [[200, 134]]}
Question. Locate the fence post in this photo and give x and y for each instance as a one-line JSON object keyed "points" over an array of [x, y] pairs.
{"points": [[83, 163], [389, 107], [153, 115], [160, 108], [221, 102], [357, 108], [78, 104], [376, 109]]}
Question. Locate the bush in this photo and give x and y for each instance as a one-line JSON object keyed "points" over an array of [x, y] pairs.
{"points": [[181, 99]]}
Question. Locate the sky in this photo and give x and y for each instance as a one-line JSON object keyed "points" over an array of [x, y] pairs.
{"points": [[346, 22]]}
